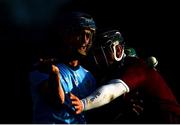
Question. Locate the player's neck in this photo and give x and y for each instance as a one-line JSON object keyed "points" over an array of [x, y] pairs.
{"points": [[74, 63]]}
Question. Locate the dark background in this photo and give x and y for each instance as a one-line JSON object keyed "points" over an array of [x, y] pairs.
{"points": [[152, 28]]}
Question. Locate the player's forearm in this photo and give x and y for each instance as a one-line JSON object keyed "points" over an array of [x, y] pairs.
{"points": [[60, 91], [61, 94], [105, 94]]}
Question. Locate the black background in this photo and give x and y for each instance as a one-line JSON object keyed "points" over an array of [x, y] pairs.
{"points": [[152, 28]]}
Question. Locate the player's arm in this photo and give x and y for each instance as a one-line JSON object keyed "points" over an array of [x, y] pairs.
{"points": [[55, 75], [100, 96], [51, 89]]}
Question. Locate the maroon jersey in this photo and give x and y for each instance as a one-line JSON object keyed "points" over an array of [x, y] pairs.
{"points": [[160, 103]]}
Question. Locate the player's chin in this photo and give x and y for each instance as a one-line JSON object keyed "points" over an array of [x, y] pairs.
{"points": [[82, 51]]}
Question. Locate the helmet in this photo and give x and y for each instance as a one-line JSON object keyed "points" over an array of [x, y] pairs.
{"points": [[75, 21], [74, 24], [110, 44], [152, 61], [130, 52]]}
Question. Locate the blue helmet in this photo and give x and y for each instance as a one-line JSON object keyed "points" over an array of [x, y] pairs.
{"points": [[75, 23]]}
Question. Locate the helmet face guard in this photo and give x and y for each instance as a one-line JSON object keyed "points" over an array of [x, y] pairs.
{"points": [[86, 23], [114, 51], [85, 35], [110, 48], [77, 25]]}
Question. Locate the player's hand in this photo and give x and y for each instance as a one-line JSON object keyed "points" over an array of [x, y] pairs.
{"points": [[76, 102], [137, 103]]}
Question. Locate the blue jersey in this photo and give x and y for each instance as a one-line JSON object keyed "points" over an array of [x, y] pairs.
{"points": [[78, 81]]}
